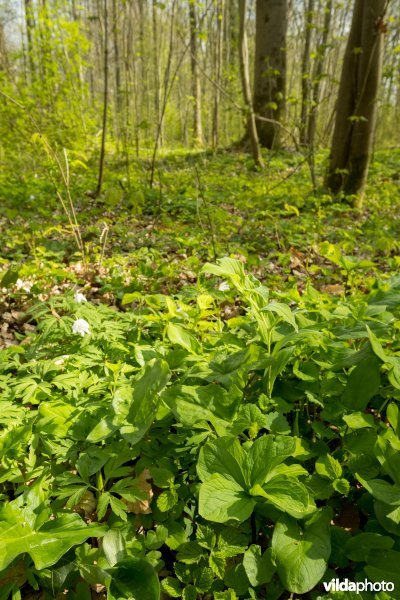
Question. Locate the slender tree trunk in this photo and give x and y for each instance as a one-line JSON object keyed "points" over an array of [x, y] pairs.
{"points": [[117, 70], [105, 104], [270, 68], [156, 63], [218, 71], [196, 82], [244, 72], [30, 25], [3, 49], [357, 100], [305, 73], [317, 75]]}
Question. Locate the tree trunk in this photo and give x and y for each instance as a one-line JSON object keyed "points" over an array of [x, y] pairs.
{"points": [[105, 105], [244, 72], [317, 75], [270, 68], [356, 105], [196, 83], [218, 70], [305, 73], [30, 25]]}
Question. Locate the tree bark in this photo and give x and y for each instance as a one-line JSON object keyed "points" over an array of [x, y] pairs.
{"points": [[244, 72], [305, 73], [196, 82], [105, 105], [30, 25], [218, 70], [317, 75], [357, 100], [270, 68]]}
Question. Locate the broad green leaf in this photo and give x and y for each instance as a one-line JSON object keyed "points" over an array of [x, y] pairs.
{"points": [[266, 453], [358, 547], [172, 587], [226, 267], [287, 494], [192, 404], [178, 335], [301, 553], [392, 413], [358, 420], [283, 311], [133, 579], [259, 568], [47, 544], [222, 500], [190, 553], [384, 566], [145, 400], [382, 490], [113, 546], [329, 467], [362, 384], [224, 456], [55, 418]]}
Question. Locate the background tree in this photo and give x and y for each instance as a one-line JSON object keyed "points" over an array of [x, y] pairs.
{"points": [[270, 68], [196, 81], [244, 69], [357, 100]]}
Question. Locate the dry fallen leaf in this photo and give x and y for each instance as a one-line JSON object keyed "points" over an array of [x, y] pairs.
{"points": [[142, 507]]}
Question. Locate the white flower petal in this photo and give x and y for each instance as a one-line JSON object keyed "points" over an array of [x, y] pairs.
{"points": [[81, 326], [79, 297]]}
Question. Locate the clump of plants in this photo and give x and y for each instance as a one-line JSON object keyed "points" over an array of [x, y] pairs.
{"points": [[174, 449]]}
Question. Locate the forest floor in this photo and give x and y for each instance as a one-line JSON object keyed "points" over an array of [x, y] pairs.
{"points": [[290, 347], [202, 206]]}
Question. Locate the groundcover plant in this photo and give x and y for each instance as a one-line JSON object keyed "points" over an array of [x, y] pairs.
{"points": [[164, 452]]}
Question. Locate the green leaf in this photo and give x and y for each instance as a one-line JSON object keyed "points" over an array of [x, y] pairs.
{"points": [[259, 568], [47, 544], [113, 546], [287, 494], [190, 553], [362, 384], [224, 456], [145, 400], [222, 499], [167, 500], [192, 404], [359, 420], [9, 278], [266, 453], [283, 311], [177, 335], [329, 467], [384, 566], [301, 554], [133, 579], [358, 547], [171, 587], [382, 490]]}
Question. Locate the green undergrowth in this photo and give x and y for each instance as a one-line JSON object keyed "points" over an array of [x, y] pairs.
{"points": [[169, 450], [202, 206], [176, 424]]}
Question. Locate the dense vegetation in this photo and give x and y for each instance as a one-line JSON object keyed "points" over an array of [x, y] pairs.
{"points": [[211, 427], [199, 300]]}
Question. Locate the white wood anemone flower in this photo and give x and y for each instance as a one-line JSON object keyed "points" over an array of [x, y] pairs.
{"points": [[81, 326], [79, 297]]}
